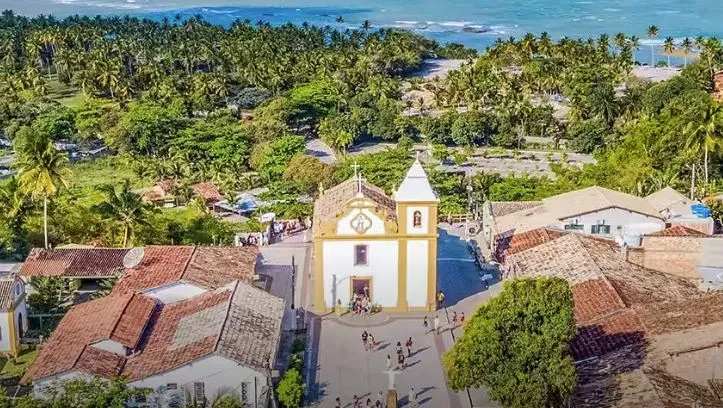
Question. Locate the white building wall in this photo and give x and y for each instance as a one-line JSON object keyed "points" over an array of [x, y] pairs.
{"points": [[618, 219], [382, 266], [5, 331], [175, 292], [422, 229], [219, 375], [344, 225], [417, 272]]}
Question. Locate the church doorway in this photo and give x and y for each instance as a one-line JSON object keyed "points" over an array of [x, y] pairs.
{"points": [[361, 286]]}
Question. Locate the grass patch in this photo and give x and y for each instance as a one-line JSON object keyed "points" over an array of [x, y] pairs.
{"points": [[89, 175], [66, 95], [17, 366]]}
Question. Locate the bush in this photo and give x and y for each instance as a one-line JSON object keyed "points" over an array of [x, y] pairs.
{"points": [[291, 389], [298, 346], [249, 98]]}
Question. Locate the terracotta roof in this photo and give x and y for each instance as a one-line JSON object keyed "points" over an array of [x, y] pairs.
{"points": [[100, 362], [513, 244], [206, 266], [89, 323], [7, 292], [160, 265], [677, 231], [682, 314], [171, 343], [332, 201], [74, 262], [501, 208], [599, 337], [212, 267], [207, 191]]}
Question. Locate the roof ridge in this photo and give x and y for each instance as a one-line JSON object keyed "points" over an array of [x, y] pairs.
{"points": [[228, 313], [188, 262], [120, 316]]}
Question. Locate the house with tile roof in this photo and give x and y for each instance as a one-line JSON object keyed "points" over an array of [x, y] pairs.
{"points": [[368, 245], [185, 322], [645, 338], [13, 310], [593, 210]]}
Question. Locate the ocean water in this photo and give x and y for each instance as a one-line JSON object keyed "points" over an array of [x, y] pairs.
{"points": [[475, 23]]}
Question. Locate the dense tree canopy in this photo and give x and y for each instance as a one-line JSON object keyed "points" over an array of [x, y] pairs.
{"points": [[517, 346]]}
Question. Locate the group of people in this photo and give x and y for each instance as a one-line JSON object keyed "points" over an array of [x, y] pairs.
{"points": [[379, 403], [285, 228], [360, 304], [436, 325]]}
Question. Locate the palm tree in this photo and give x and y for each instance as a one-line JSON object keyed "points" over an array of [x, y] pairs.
{"points": [[634, 46], [620, 39], [339, 19], [687, 46], [366, 25], [706, 133], [652, 32], [42, 170], [669, 47], [124, 206]]}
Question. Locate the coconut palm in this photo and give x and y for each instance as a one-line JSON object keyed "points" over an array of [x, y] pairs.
{"points": [[634, 46], [705, 134], [42, 171], [124, 206], [669, 47], [366, 25], [652, 32], [687, 46]]}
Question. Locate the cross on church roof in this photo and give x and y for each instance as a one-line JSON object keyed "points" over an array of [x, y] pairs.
{"points": [[357, 176]]}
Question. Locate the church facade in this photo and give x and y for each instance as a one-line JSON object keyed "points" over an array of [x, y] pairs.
{"points": [[367, 244]]}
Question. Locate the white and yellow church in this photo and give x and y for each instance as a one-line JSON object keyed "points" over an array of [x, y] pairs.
{"points": [[368, 243]]}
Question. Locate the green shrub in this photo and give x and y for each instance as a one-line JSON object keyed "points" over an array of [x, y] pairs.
{"points": [[291, 389]]}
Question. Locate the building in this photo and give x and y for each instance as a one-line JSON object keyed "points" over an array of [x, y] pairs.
{"points": [[183, 321], [367, 243], [682, 251], [645, 338], [13, 312], [596, 211]]}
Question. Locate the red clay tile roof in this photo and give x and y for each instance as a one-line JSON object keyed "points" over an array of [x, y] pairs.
{"points": [[75, 262], [207, 191], [101, 362], [595, 298], [129, 329], [86, 324], [7, 292], [160, 265], [677, 231], [333, 200], [207, 266], [172, 344], [212, 267], [622, 328], [526, 240]]}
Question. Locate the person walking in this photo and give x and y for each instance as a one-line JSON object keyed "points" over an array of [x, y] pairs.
{"points": [[409, 346], [412, 397], [372, 342], [388, 363], [365, 339], [454, 319], [400, 361], [461, 319], [380, 399], [369, 403], [440, 299], [399, 347], [338, 403], [436, 324], [357, 403], [426, 324]]}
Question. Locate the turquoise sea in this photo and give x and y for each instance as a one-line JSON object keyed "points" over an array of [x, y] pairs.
{"points": [[476, 23]]}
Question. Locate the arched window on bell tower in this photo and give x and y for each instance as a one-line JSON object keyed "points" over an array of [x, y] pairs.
{"points": [[417, 220]]}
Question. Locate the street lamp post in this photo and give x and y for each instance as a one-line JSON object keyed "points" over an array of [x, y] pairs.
{"points": [[293, 280], [469, 210]]}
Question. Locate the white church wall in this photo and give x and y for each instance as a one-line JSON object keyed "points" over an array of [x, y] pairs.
{"points": [[344, 226], [382, 267], [422, 229], [417, 272]]}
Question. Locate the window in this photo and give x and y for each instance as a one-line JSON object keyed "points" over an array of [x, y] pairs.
{"points": [[199, 393], [574, 227], [600, 229], [360, 255], [417, 219], [171, 386]]}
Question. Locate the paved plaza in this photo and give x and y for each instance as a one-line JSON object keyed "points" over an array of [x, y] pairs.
{"points": [[338, 366]]}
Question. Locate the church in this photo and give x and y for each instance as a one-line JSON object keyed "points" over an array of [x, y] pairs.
{"points": [[367, 244]]}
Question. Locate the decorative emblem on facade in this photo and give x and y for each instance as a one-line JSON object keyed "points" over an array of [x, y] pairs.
{"points": [[361, 223]]}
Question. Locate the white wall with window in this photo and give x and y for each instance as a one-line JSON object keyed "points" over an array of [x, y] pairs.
{"points": [[611, 222], [343, 263]]}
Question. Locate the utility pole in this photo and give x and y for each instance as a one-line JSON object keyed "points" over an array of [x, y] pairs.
{"points": [[293, 280]]}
